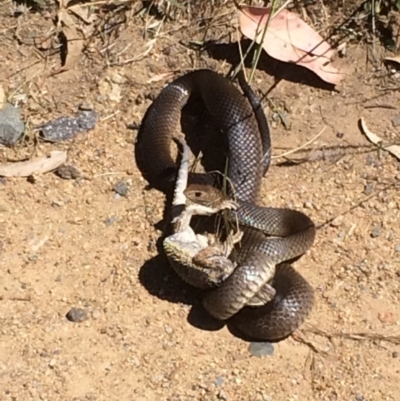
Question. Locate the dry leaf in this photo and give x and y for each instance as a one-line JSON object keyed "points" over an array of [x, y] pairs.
{"points": [[395, 59], [39, 165], [290, 39], [376, 140]]}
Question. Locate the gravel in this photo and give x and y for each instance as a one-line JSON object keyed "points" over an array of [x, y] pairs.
{"points": [[11, 126], [376, 232], [77, 315], [121, 188]]}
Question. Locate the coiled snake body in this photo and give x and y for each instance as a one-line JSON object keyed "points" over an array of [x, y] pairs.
{"points": [[258, 259]]}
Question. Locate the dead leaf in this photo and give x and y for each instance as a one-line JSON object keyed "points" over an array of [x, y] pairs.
{"points": [[395, 59], [290, 39], [39, 165], [376, 140]]}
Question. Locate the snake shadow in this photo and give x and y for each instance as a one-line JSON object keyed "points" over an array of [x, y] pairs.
{"points": [[160, 280]]}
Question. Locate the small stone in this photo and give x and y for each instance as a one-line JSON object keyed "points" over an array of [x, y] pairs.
{"points": [[64, 128], [359, 397], [337, 221], [368, 189], [395, 354], [219, 381], [31, 179], [376, 232], [67, 172], [96, 314], [11, 126], [261, 349], [396, 120], [52, 363], [397, 248], [111, 220], [308, 205], [77, 315], [169, 329], [340, 135], [121, 188], [3, 181]]}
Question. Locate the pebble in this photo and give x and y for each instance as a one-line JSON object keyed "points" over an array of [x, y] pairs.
{"points": [[67, 172], [261, 349], [337, 221], [397, 248], [396, 120], [308, 205], [64, 128], [3, 181], [376, 232], [11, 126], [169, 329], [77, 315], [219, 381], [368, 189], [359, 397], [121, 188], [96, 314], [111, 220], [395, 354]]}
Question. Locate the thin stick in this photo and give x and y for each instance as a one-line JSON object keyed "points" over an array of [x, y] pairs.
{"points": [[302, 146]]}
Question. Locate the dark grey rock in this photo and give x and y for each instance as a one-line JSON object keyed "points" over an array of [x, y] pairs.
{"points": [[11, 126], [121, 188], [261, 349], [64, 128], [77, 315]]}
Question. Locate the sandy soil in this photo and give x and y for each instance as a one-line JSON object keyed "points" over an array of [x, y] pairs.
{"points": [[75, 243]]}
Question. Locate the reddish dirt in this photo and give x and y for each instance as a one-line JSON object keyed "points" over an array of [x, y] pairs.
{"points": [[73, 243]]}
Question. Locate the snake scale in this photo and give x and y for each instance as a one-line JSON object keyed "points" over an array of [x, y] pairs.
{"points": [[271, 236]]}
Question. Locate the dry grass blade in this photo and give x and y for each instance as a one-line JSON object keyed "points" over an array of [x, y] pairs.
{"points": [[300, 147], [378, 141], [394, 339]]}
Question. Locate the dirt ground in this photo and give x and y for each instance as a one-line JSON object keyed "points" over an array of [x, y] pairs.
{"points": [[75, 243]]}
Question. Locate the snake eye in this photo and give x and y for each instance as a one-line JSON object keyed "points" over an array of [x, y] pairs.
{"points": [[197, 194]]}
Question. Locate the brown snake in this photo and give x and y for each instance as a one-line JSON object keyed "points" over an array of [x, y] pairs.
{"points": [[271, 236]]}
